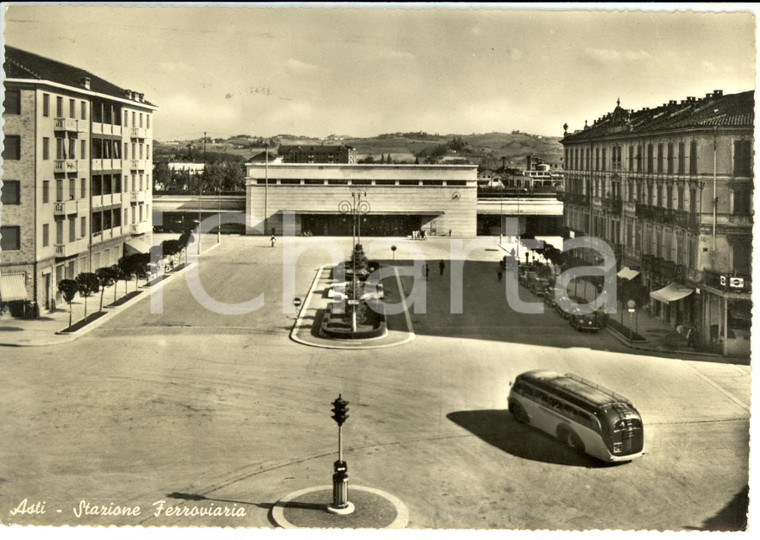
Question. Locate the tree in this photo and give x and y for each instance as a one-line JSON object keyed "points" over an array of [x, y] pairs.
{"points": [[106, 278], [118, 275], [68, 288], [162, 176], [87, 284]]}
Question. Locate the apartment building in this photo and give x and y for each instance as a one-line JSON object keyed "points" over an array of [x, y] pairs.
{"points": [[77, 164], [323, 153], [670, 189]]}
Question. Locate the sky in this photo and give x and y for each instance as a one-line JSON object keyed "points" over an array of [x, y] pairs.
{"points": [[362, 71]]}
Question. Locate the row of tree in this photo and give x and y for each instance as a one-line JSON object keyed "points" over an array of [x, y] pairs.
{"points": [[227, 176], [136, 266]]}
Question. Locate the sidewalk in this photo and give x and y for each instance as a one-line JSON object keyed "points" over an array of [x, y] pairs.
{"points": [[44, 331], [658, 336]]}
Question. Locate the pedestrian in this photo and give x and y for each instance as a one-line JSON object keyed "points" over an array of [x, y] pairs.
{"points": [[273, 240], [427, 270], [499, 273], [441, 266]]}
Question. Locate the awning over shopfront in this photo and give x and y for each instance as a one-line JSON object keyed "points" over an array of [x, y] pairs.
{"points": [[136, 246], [13, 287], [672, 293], [627, 273]]}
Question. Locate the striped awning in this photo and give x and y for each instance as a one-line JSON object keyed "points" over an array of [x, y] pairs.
{"points": [[672, 293], [627, 273], [13, 287]]}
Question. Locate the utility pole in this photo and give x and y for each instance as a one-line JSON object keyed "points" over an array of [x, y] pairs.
{"points": [[200, 192], [266, 187]]}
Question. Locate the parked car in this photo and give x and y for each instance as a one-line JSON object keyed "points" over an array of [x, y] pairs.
{"points": [[586, 322]]}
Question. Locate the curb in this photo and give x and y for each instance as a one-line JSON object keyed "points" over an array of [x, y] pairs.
{"points": [[402, 512], [71, 336], [297, 325], [643, 347]]}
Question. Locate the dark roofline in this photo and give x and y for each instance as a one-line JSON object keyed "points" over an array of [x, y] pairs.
{"points": [[22, 64]]}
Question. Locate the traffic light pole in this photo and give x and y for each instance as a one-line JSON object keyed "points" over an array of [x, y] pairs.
{"points": [[340, 504]]}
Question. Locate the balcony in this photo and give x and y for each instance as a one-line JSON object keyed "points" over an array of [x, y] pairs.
{"points": [[66, 208], [138, 133], [137, 164], [141, 228], [106, 164], [65, 166], [137, 196], [686, 220], [70, 249], [70, 125], [106, 129], [106, 200], [613, 205], [629, 207]]}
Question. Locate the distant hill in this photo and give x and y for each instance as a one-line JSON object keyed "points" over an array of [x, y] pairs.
{"points": [[486, 149]]}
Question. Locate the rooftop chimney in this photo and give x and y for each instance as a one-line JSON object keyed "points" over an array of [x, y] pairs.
{"points": [[85, 82], [142, 97], [718, 93], [128, 94]]}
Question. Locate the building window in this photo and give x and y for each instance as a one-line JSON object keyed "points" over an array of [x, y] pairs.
{"points": [[742, 199], [45, 147], [630, 158], [11, 192], [116, 217], [638, 158], [59, 190], [650, 158], [141, 119], [83, 188], [72, 148], [134, 118], [693, 158], [659, 158], [83, 150], [669, 192], [59, 232], [596, 160], [72, 108], [743, 158], [59, 106], [72, 189], [670, 158], [83, 226], [147, 121], [681, 158], [679, 202], [12, 102], [126, 216], [60, 151], [604, 159], [45, 104], [83, 104], [97, 222], [45, 191], [45, 235], [12, 148], [10, 238]]}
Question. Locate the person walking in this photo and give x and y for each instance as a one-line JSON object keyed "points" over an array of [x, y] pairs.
{"points": [[427, 270], [273, 240], [500, 273], [441, 266]]}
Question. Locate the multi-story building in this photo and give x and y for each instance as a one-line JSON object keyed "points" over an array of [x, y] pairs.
{"points": [[77, 166], [670, 189], [323, 153]]}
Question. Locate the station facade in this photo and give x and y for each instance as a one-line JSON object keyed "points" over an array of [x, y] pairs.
{"points": [[396, 200]]}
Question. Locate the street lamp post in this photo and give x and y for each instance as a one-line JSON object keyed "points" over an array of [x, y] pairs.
{"points": [[218, 214], [356, 207]]}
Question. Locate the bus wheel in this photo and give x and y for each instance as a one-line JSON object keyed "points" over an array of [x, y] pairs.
{"points": [[573, 441], [518, 412]]}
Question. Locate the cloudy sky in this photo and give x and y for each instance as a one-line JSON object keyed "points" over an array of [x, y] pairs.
{"points": [[364, 71]]}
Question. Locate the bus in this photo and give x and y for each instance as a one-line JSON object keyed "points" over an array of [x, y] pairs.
{"points": [[585, 416]]}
